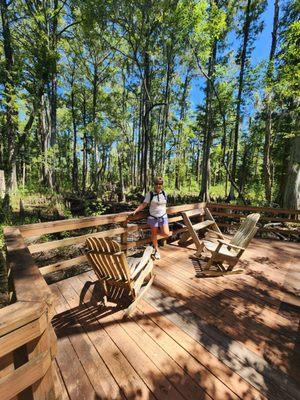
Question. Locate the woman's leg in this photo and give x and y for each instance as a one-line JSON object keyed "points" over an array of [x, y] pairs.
{"points": [[164, 230], [154, 236]]}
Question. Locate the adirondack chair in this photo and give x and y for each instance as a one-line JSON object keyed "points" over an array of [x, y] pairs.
{"points": [[113, 268], [206, 224], [230, 253]]}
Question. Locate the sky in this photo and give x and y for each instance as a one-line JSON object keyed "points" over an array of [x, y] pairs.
{"points": [[259, 54]]}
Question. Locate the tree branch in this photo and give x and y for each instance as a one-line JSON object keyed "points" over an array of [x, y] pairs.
{"points": [[68, 26]]}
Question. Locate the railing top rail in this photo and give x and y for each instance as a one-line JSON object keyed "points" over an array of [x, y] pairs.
{"points": [[43, 228], [253, 208], [29, 284], [19, 314]]}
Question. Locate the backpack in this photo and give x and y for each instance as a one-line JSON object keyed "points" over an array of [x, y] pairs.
{"points": [[152, 194]]}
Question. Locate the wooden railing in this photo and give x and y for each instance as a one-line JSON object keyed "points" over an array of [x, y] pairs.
{"points": [[126, 227], [27, 339], [229, 216]]}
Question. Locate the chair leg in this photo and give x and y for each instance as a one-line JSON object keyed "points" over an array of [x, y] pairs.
{"points": [[105, 291], [184, 238], [209, 263]]}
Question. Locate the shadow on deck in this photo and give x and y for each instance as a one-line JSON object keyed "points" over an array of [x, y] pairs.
{"points": [[190, 338]]}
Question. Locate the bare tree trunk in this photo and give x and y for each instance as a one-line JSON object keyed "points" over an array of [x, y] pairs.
{"points": [[146, 117], [141, 143], [183, 106], [75, 161], [267, 163], [121, 179], [85, 144], [246, 31], [291, 198], [205, 181], [165, 120], [96, 175], [11, 114], [53, 88]]}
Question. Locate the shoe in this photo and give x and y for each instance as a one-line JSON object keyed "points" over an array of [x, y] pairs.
{"points": [[157, 255]]}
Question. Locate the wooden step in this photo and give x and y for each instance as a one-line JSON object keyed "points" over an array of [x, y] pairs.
{"points": [[203, 225]]}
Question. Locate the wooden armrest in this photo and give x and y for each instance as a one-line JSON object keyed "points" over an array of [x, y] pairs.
{"points": [[230, 245], [143, 262], [215, 232]]}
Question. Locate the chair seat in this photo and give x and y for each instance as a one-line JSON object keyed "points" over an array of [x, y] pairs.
{"points": [[133, 262], [223, 250]]}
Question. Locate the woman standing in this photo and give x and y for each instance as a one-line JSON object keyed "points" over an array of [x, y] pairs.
{"points": [[158, 219]]}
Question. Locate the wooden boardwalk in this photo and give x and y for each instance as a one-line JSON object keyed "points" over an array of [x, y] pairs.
{"points": [[190, 338]]}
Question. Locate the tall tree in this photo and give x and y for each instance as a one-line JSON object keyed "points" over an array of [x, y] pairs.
{"points": [[251, 27], [267, 163], [11, 113]]}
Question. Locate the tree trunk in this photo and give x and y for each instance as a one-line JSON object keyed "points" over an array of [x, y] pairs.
{"points": [[246, 31], [75, 161], [165, 119], [53, 87], [267, 167], [141, 137], [291, 198], [96, 176], [84, 144], [208, 127], [146, 117], [11, 114], [180, 150], [121, 179]]}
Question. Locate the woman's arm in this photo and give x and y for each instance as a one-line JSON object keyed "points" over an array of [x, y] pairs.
{"points": [[140, 208]]}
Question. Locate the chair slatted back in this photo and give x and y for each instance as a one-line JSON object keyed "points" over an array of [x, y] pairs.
{"points": [[108, 260], [193, 213], [246, 231]]}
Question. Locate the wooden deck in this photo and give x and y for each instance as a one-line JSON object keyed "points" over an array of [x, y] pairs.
{"points": [[191, 338]]}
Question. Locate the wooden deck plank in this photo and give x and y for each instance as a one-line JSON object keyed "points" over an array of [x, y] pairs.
{"points": [[252, 336], [101, 379], [74, 376], [158, 383], [227, 296], [258, 291], [184, 266], [184, 371], [60, 388], [221, 371], [128, 380], [189, 338], [254, 369]]}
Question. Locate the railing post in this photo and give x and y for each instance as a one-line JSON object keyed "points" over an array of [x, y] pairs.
{"points": [[124, 236], [43, 389], [7, 367]]}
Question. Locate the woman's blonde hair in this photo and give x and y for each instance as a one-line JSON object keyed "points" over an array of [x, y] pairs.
{"points": [[158, 180]]}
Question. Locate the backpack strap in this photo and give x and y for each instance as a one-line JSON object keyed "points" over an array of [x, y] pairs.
{"points": [[151, 197], [152, 194]]}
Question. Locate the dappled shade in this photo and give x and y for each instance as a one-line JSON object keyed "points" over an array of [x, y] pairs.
{"points": [[189, 338]]}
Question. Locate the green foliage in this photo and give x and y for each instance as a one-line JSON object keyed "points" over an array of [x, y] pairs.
{"points": [[94, 208], [98, 87]]}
